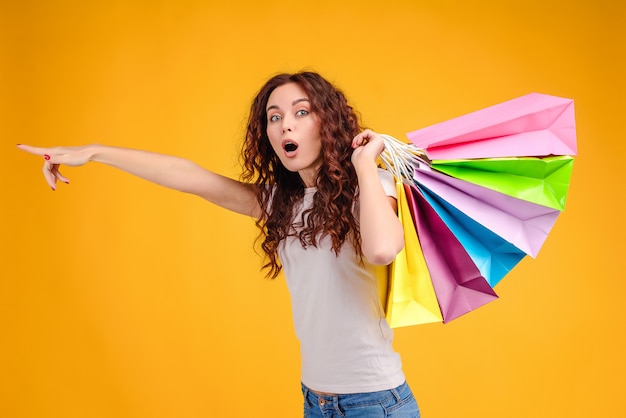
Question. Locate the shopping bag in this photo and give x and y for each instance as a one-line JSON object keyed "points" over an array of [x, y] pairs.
{"points": [[411, 297], [531, 125], [543, 181], [458, 283], [524, 224]]}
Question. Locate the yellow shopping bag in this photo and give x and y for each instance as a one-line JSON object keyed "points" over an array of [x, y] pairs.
{"points": [[406, 287]]}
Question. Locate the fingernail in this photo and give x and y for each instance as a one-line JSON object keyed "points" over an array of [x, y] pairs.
{"points": [[46, 156], [67, 182], [53, 189]]}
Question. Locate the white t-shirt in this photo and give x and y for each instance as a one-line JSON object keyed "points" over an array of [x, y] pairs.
{"points": [[345, 341]]}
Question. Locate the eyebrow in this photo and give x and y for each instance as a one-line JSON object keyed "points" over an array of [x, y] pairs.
{"points": [[295, 102]]}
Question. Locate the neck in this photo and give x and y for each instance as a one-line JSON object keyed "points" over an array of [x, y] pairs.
{"points": [[309, 177]]}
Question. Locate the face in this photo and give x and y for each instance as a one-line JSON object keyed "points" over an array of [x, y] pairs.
{"points": [[294, 131]]}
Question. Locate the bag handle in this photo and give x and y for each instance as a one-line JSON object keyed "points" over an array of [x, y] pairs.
{"points": [[402, 159]]}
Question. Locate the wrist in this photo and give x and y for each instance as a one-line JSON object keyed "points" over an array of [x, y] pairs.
{"points": [[366, 170], [364, 166], [96, 153]]}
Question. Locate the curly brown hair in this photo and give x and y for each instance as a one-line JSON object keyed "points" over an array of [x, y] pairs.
{"points": [[280, 189]]}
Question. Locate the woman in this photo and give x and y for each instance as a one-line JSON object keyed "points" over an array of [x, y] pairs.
{"points": [[327, 216]]}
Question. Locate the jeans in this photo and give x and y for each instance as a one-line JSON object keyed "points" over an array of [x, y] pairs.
{"points": [[393, 403]]}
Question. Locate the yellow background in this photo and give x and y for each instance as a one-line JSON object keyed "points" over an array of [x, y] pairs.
{"points": [[122, 299]]}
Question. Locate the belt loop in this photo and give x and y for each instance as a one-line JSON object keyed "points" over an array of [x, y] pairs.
{"points": [[305, 393], [336, 405], [396, 394]]}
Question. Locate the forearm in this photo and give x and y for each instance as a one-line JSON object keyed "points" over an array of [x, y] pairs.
{"points": [[166, 170], [382, 236], [182, 175]]}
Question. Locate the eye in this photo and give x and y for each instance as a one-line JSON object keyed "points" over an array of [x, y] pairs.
{"points": [[274, 118], [302, 112]]}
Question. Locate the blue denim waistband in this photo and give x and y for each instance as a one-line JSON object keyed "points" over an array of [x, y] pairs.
{"points": [[357, 399]]}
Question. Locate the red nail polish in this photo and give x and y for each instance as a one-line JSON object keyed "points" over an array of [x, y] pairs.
{"points": [[46, 156], [53, 189]]}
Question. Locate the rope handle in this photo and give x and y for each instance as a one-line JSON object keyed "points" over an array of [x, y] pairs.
{"points": [[401, 158]]}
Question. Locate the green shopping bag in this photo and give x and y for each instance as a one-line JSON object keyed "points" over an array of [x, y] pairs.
{"points": [[543, 181]]}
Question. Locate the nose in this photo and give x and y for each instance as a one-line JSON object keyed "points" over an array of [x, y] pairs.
{"points": [[287, 124]]}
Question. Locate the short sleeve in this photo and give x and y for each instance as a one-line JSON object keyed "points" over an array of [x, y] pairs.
{"points": [[388, 182]]}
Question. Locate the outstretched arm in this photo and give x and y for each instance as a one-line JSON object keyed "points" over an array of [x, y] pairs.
{"points": [[166, 170], [382, 236]]}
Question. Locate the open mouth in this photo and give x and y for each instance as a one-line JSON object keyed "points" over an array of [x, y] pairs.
{"points": [[290, 147]]}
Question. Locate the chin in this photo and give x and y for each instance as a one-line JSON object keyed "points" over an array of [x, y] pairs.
{"points": [[291, 165], [291, 168]]}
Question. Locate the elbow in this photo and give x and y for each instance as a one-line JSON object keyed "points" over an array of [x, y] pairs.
{"points": [[383, 255]]}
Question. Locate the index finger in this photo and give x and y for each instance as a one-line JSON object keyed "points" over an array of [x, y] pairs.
{"points": [[362, 138], [34, 150]]}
